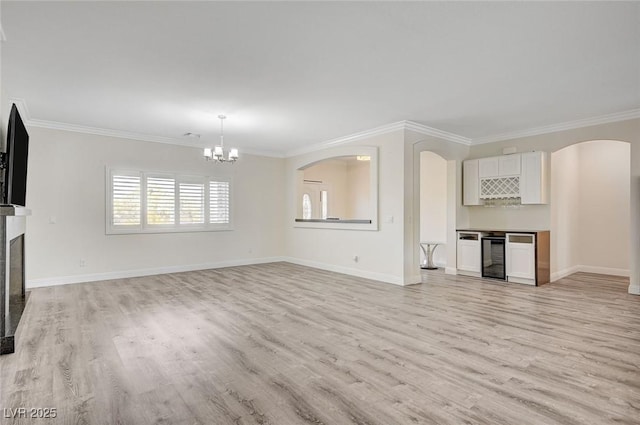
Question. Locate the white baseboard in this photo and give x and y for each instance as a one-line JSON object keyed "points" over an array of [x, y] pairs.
{"points": [[413, 280], [95, 277], [588, 269], [564, 273], [521, 280], [634, 288], [467, 273], [451, 270], [382, 277], [605, 270]]}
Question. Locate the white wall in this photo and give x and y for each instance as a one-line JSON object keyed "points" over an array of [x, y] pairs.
{"points": [[590, 220], [565, 211], [433, 203], [604, 206], [66, 184], [358, 183], [333, 175], [347, 182], [380, 254]]}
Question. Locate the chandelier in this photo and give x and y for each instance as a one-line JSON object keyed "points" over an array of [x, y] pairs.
{"points": [[218, 153]]}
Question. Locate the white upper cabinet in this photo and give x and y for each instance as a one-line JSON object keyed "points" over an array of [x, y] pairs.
{"points": [[499, 166], [489, 167], [533, 178], [509, 165], [508, 176], [470, 183]]}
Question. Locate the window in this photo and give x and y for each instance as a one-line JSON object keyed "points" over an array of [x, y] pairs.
{"points": [[161, 201], [325, 205], [218, 202], [306, 206], [126, 200], [192, 203], [140, 202]]}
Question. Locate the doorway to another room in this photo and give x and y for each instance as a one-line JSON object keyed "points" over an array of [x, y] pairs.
{"points": [[433, 211], [590, 209]]}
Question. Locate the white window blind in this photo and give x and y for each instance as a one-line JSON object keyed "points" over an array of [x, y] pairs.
{"points": [[139, 202], [191, 203], [126, 203], [219, 202], [161, 200]]}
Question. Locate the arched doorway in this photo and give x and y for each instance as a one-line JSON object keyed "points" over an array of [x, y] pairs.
{"points": [[590, 208], [452, 154], [433, 206]]}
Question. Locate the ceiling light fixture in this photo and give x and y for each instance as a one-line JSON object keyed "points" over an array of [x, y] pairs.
{"points": [[218, 154]]}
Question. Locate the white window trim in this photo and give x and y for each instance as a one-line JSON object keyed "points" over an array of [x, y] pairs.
{"points": [[144, 227]]}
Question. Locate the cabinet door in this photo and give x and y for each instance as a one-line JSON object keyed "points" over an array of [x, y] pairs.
{"points": [[470, 183], [489, 167], [509, 165], [521, 256], [533, 182], [469, 254]]}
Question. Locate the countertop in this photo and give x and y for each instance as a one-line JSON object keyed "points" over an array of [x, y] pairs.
{"points": [[503, 230]]}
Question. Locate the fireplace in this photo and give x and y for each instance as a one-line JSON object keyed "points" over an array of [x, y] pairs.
{"points": [[12, 276]]}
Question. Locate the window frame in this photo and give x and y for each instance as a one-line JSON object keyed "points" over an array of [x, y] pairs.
{"points": [[178, 227]]}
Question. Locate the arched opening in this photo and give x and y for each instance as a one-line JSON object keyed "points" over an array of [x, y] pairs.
{"points": [[445, 255], [590, 209], [433, 210]]}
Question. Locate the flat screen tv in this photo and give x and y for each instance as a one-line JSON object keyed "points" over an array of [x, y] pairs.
{"points": [[15, 178]]}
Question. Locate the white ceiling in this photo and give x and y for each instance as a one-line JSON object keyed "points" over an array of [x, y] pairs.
{"points": [[293, 74]]}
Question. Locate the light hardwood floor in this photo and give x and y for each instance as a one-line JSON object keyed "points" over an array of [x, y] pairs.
{"points": [[285, 344]]}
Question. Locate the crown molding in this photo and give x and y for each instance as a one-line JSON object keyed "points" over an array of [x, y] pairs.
{"points": [[553, 128], [55, 125], [384, 129], [21, 104], [430, 131]]}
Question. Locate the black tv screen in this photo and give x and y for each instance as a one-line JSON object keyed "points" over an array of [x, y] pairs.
{"points": [[15, 179]]}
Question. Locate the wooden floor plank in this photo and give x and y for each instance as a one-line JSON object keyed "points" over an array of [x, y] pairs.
{"points": [[285, 344]]}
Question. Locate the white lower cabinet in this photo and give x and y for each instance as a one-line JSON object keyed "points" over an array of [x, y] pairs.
{"points": [[469, 253], [521, 258]]}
